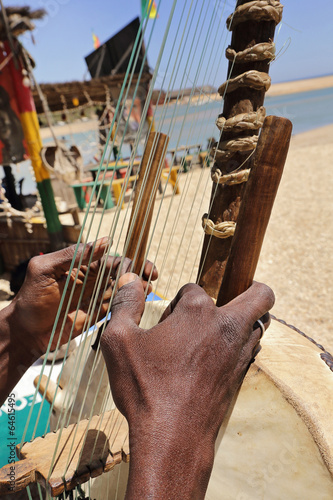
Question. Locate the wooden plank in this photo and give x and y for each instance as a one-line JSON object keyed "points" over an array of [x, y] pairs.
{"points": [[85, 450]]}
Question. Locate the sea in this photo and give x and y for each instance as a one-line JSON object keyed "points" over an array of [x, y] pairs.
{"points": [[194, 123]]}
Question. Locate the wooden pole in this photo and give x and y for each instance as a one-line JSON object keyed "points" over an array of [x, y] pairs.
{"points": [[256, 207], [226, 199], [143, 205], [144, 199]]}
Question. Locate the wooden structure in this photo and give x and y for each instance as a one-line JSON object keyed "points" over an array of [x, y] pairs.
{"points": [[21, 241], [253, 26], [261, 188], [60, 96], [111, 431], [144, 199], [20, 20]]}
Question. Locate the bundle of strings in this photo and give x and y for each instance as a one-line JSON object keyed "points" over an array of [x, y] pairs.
{"points": [[190, 55]]}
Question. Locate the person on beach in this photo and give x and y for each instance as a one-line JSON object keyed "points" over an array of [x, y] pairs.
{"points": [[154, 374]]}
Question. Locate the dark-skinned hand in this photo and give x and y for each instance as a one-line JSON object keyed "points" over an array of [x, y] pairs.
{"points": [[37, 303], [27, 322], [175, 382]]}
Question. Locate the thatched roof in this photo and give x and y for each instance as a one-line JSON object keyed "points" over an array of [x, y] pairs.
{"points": [[19, 20], [60, 96]]}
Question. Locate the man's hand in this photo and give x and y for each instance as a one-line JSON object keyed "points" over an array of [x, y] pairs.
{"points": [[37, 303], [175, 382], [26, 324]]}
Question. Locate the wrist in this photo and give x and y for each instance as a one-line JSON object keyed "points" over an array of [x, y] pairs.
{"points": [[20, 344], [15, 358], [168, 460]]}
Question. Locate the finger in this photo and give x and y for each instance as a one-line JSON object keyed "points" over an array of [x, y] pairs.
{"points": [[82, 254], [125, 267], [93, 251], [129, 302], [150, 271], [191, 295], [147, 287], [251, 305], [119, 266], [262, 324]]}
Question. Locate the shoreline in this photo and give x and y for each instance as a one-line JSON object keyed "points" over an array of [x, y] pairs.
{"points": [[299, 86], [276, 89]]}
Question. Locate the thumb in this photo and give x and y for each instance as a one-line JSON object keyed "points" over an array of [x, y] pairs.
{"points": [[129, 302], [250, 306]]}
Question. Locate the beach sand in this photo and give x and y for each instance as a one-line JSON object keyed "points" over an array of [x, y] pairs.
{"points": [[296, 86], [296, 259]]}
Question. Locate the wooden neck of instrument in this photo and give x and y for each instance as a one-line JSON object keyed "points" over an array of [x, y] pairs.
{"points": [[144, 199], [267, 167]]}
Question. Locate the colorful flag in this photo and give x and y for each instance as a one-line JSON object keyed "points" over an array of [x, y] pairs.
{"points": [[19, 131], [149, 6], [97, 43]]}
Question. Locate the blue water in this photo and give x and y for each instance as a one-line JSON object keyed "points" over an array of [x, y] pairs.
{"points": [[307, 110], [194, 124]]}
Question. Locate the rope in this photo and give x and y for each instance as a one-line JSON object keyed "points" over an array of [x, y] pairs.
{"points": [[239, 144], [259, 10], [255, 79], [228, 149], [230, 179], [90, 102], [325, 355], [223, 156], [259, 52], [243, 121], [6, 61], [221, 230], [25, 216]]}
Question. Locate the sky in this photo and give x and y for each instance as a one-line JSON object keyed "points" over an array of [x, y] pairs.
{"points": [[304, 39]]}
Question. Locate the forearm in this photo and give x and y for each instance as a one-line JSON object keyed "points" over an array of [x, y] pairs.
{"points": [[15, 356], [169, 465]]}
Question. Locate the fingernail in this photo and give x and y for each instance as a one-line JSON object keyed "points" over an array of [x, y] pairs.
{"points": [[104, 242], [127, 278]]}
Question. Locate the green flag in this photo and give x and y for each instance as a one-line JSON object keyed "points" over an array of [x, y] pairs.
{"points": [[149, 7]]}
